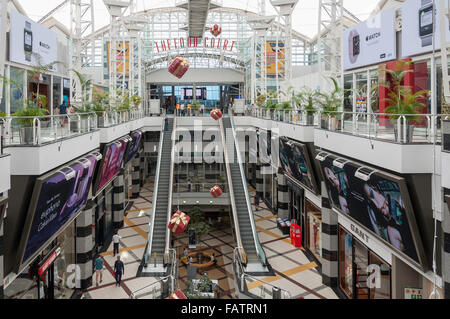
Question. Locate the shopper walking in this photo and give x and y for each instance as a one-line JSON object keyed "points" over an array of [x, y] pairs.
{"points": [[99, 261], [166, 124], [119, 270], [257, 202], [213, 259], [116, 240]]}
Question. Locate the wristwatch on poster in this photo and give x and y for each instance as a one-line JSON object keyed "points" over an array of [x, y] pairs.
{"points": [[426, 18], [354, 43], [28, 41]]}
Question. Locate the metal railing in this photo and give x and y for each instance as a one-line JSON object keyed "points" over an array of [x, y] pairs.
{"points": [[397, 128], [111, 118], [198, 187], [262, 289]]}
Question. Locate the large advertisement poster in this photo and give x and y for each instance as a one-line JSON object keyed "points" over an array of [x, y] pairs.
{"points": [[418, 24], [380, 202], [370, 42], [111, 163], [56, 199], [271, 53], [265, 146], [122, 56], [133, 147], [2, 209], [295, 161], [30, 43]]}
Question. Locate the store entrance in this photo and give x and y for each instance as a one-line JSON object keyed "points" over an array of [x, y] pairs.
{"points": [[297, 208]]}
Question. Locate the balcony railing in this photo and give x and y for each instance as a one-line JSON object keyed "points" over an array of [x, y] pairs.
{"points": [[396, 128]]}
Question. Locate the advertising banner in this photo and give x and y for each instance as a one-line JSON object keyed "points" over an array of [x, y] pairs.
{"points": [[265, 146], [379, 202], [30, 43], [271, 55], [133, 147], [295, 161], [418, 24], [122, 58], [111, 164], [370, 42], [2, 209], [57, 197]]}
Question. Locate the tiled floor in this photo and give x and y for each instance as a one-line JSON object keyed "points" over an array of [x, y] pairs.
{"points": [[294, 271]]}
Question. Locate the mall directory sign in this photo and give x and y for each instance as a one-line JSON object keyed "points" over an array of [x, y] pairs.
{"points": [[295, 161], [371, 42], [57, 198], [418, 24], [376, 200], [111, 163], [133, 146], [30, 43]]}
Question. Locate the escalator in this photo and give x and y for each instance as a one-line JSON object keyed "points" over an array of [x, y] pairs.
{"points": [[155, 256], [253, 254]]}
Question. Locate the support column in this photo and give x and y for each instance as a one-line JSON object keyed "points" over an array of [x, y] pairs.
{"points": [[142, 169], [118, 201], [329, 242], [446, 246], [84, 246], [259, 182], [135, 176], [283, 197]]}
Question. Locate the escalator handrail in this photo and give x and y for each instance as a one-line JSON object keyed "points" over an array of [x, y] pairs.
{"points": [[171, 178], [258, 247], [155, 196], [230, 188]]}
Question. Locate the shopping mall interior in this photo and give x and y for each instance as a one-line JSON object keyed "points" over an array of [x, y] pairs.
{"points": [[225, 149]]}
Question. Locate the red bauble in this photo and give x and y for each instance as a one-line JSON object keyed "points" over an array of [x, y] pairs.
{"points": [[216, 114], [179, 66], [216, 191]]}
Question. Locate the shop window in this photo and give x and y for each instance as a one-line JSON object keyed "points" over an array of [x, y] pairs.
{"points": [[16, 87], [346, 262], [383, 291], [361, 264], [64, 285], [348, 96], [374, 95], [361, 92], [314, 230], [57, 98]]}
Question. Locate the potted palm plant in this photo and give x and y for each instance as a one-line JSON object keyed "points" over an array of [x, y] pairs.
{"points": [[402, 102], [99, 102], [26, 117], [306, 99], [330, 104], [196, 108]]}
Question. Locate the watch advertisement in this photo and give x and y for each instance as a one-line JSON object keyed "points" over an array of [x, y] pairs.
{"points": [[31, 43], [296, 163], [57, 197], [418, 25], [370, 42], [111, 163], [136, 138], [378, 201]]}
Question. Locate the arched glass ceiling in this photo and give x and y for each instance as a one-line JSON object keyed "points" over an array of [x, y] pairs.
{"points": [[305, 14]]}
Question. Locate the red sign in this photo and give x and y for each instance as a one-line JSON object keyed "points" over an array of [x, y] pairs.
{"points": [[49, 261], [181, 43]]}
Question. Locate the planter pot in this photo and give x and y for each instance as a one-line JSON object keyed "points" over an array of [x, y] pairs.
{"points": [[310, 119], [26, 135], [84, 125], [74, 126], [100, 121], [330, 124], [400, 136]]}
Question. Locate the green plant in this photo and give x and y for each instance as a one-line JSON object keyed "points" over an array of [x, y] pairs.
{"points": [[261, 100], [2, 115], [307, 100], [29, 111], [194, 291], [198, 222], [99, 100], [331, 102], [136, 100], [285, 106]]}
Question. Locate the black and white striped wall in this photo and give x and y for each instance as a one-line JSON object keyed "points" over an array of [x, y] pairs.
{"points": [[119, 200], [283, 197], [142, 168], [135, 175], [329, 242], [84, 247], [259, 182], [446, 245]]}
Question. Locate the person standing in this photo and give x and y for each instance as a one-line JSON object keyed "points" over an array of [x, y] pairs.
{"points": [[166, 124], [119, 270], [116, 240], [257, 201], [99, 261]]}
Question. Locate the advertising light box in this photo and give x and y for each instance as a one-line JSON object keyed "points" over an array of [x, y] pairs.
{"points": [[295, 161], [370, 42], [376, 200], [56, 199], [111, 164], [31, 43], [418, 24], [133, 146]]}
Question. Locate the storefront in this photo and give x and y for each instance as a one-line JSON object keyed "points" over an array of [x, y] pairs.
{"points": [[313, 229], [297, 204], [104, 223], [270, 190]]}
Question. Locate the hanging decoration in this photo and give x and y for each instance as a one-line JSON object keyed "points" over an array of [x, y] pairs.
{"points": [[178, 294], [216, 191], [179, 66], [178, 222], [216, 114], [216, 30]]}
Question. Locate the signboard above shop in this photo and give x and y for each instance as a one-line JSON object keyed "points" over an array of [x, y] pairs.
{"points": [[30, 43], [371, 42]]}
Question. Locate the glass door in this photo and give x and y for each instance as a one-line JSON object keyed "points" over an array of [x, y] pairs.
{"points": [[360, 265]]}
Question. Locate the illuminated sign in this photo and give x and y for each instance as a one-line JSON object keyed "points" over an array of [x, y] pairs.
{"points": [[183, 43]]}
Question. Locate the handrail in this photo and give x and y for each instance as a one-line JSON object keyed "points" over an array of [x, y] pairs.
{"points": [[171, 178], [230, 187], [258, 246], [155, 194]]}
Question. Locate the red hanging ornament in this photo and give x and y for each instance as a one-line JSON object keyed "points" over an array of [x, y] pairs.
{"points": [[179, 66], [216, 114], [216, 191], [179, 222], [216, 30]]}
